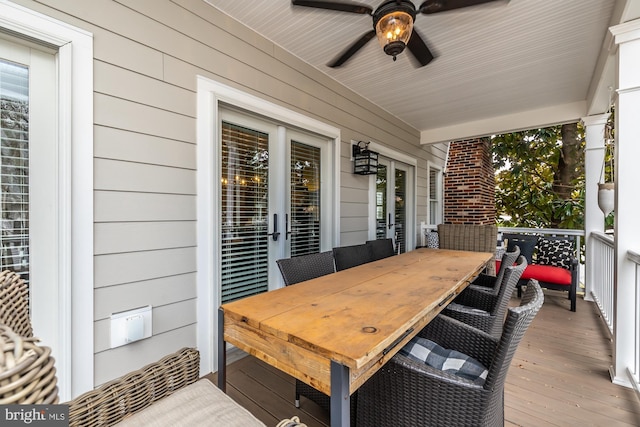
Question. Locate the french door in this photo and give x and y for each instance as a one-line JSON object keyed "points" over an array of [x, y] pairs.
{"points": [[392, 200], [30, 195], [272, 201]]}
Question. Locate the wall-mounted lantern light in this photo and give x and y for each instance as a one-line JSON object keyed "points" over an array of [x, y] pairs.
{"points": [[365, 161]]}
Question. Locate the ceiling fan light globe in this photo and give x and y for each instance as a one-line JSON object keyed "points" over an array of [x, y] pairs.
{"points": [[394, 29]]}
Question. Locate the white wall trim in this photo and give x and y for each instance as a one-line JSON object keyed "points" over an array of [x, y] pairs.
{"points": [[75, 137], [210, 94], [439, 190], [394, 156], [391, 153]]}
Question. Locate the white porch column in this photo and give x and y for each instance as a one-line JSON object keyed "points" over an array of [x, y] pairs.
{"points": [[593, 161], [627, 202]]}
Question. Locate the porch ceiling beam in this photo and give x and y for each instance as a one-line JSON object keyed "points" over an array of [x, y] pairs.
{"points": [[531, 119]]}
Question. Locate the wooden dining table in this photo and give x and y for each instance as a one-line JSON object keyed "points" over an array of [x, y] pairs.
{"points": [[334, 332]]}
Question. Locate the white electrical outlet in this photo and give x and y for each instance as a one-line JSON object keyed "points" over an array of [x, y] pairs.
{"points": [[130, 326]]}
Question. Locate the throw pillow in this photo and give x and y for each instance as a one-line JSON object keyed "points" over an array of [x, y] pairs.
{"points": [[525, 242], [451, 361], [431, 238], [555, 252]]}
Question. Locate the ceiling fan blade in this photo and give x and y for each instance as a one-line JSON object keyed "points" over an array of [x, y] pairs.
{"points": [[351, 50], [419, 49], [435, 6], [334, 5]]}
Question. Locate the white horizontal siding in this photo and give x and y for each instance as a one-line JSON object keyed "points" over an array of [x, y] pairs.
{"points": [[128, 176], [131, 267], [119, 237], [351, 210], [113, 48], [117, 144], [125, 84], [155, 292], [122, 114], [120, 206]]}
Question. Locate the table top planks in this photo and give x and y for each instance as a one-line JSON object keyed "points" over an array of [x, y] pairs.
{"points": [[352, 316]]}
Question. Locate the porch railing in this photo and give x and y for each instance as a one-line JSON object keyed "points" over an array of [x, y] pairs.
{"points": [[601, 265]]}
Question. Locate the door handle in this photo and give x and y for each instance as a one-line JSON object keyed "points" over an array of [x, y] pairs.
{"points": [[275, 233], [390, 225]]}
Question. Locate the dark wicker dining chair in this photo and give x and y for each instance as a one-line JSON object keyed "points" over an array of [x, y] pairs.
{"points": [[408, 392], [352, 256], [306, 267], [484, 310], [488, 283], [295, 270], [381, 248]]}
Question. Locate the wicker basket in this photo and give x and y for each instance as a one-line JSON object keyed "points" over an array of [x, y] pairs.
{"points": [[27, 373]]}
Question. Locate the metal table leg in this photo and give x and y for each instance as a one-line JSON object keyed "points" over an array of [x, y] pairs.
{"points": [[340, 401], [222, 353]]}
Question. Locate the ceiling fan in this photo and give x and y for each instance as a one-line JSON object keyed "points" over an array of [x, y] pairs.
{"points": [[392, 23]]}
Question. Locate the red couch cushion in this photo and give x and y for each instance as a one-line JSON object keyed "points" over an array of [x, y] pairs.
{"points": [[545, 273]]}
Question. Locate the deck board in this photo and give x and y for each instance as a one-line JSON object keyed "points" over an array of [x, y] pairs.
{"points": [[559, 377]]}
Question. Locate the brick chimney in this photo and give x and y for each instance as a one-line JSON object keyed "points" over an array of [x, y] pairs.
{"points": [[469, 183]]}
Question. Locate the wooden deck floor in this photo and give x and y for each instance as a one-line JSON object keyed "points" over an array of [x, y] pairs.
{"points": [[559, 377]]}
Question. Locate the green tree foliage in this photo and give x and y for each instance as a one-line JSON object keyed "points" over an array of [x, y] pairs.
{"points": [[540, 177]]}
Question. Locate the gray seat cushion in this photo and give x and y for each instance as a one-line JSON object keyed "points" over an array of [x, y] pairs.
{"points": [[198, 404]]}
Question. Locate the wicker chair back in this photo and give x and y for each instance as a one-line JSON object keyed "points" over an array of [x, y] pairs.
{"points": [[468, 237], [306, 267], [14, 303], [485, 310], [508, 259], [381, 248], [517, 321], [352, 256]]}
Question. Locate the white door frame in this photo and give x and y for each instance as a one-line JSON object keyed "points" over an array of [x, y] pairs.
{"points": [[74, 346], [210, 95], [394, 155]]}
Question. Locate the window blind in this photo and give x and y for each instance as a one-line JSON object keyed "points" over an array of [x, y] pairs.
{"points": [[433, 196], [14, 167], [305, 199], [401, 210], [244, 213], [381, 202]]}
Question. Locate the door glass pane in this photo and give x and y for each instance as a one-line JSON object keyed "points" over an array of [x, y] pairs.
{"points": [[244, 212], [433, 196], [305, 199], [400, 209], [14, 167], [381, 202]]}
